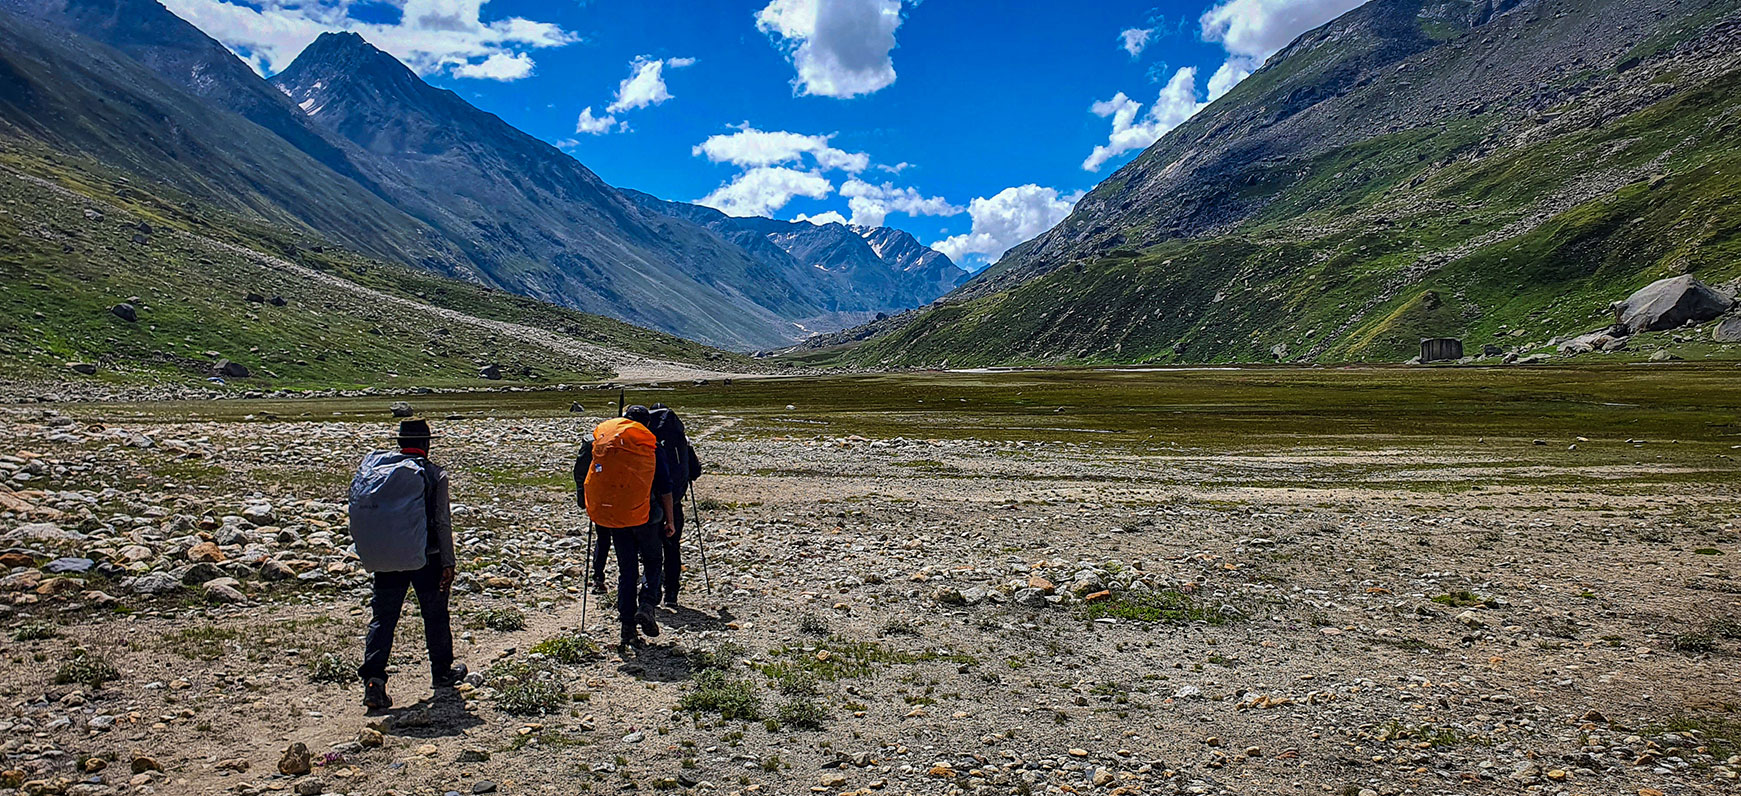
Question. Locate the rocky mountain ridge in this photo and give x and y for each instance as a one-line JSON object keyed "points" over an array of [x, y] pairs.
{"points": [[1412, 169], [852, 270]]}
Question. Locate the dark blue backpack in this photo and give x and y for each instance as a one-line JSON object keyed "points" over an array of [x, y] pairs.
{"points": [[674, 447]]}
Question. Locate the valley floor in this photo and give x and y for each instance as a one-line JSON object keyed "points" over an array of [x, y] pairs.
{"points": [[1303, 582]]}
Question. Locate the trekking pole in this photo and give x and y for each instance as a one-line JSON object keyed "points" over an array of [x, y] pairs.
{"points": [[701, 539], [620, 407], [586, 579]]}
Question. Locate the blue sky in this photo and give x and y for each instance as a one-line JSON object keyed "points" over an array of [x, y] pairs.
{"points": [[972, 125]]}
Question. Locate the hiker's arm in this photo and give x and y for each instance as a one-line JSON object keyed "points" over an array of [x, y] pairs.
{"points": [[662, 490], [441, 521], [582, 464]]}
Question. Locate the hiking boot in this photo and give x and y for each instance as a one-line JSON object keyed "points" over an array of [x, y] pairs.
{"points": [[454, 675], [630, 639], [375, 694], [644, 618], [598, 586], [671, 603]]}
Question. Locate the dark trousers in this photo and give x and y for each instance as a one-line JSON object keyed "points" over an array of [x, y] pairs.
{"points": [[673, 554], [673, 566], [389, 600], [639, 555], [601, 554]]}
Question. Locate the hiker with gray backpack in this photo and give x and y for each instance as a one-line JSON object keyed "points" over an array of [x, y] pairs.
{"points": [[403, 529]]}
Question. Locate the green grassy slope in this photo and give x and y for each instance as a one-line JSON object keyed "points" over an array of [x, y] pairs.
{"points": [[1487, 227], [61, 269]]}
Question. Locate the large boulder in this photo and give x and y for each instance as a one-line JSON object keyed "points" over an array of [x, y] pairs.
{"points": [[1669, 304], [234, 370], [1728, 331]]}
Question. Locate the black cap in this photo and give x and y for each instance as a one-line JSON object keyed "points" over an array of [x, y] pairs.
{"points": [[639, 414]]}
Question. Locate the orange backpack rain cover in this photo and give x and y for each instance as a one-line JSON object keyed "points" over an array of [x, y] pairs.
{"points": [[619, 486]]}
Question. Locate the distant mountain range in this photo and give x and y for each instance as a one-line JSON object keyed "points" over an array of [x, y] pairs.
{"points": [[349, 144], [856, 271], [1496, 170]]}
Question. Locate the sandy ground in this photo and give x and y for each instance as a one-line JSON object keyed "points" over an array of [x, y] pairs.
{"points": [[886, 616]]}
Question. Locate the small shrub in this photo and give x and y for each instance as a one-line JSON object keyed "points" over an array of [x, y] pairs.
{"points": [[1695, 643], [570, 648], [803, 714], [536, 698], [814, 625], [526, 690], [900, 626], [715, 692], [505, 620], [85, 669], [799, 684], [35, 631], [1165, 607], [330, 668], [721, 658], [1464, 599]]}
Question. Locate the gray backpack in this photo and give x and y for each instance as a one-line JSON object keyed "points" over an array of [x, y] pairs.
{"points": [[389, 517]]}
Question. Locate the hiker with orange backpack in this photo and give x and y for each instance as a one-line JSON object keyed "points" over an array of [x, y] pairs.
{"points": [[626, 490]]}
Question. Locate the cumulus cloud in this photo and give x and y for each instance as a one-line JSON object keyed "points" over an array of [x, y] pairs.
{"points": [[1228, 75], [1257, 28], [762, 190], [430, 36], [749, 147], [499, 66], [1011, 217], [645, 84], [1135, 40], [1252, 30], [822, 219], [1176, 103], [870, 204], [595, 125], [841, 48]]}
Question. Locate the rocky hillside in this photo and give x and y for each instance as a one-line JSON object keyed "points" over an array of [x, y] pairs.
{"points": [[1498, 172], [853, 271], [110, 289]]}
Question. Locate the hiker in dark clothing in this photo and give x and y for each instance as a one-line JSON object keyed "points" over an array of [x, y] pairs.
{"points": [[626, 490], [684, 468], [432, 582]]}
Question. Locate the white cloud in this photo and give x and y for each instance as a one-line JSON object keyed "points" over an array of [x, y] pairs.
{"points": [[1011, 217], [499, 66], [1176, 103], [645, 84], [822, 219], [1253, 30], [870, 204], [749, 147], [1257, 28], [762, 190], [431, 35], [841, 48], [1135, 39], [1228, 75], [594, 125]]}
